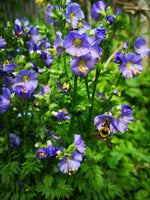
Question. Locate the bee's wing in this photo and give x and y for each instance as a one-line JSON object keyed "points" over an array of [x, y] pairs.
{"points": [[108, 143], [93, 137]]}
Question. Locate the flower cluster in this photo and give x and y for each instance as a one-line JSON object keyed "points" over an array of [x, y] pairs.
{"points": [[117, 120], [61, 114], [73, 156], [130, 63], [79, 48], [70, 157], [14, 141]]}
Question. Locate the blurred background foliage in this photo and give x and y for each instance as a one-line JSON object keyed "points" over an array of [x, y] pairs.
{"points": [[127, 167]]}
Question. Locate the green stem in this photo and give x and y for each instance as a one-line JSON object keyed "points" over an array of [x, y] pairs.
{"points": [[74, 91], [87, 87], [73, 103], [7, 135], [64, 52], [92, 100], [108, 101], [65, 67]]}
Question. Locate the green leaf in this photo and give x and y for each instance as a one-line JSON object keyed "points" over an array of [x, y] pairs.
{"points": [[134, 92], [94, 176], [139, 154], [22, 196], [142, 194], [15, 196], [133, 82]]}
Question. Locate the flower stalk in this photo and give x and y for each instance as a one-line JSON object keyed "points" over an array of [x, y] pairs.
{"points": [[92, 99], [7, 136], [73, 103], [87, 87]]}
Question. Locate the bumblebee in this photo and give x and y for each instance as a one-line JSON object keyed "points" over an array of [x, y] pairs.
{"points": [[36, 104], [103, 134]]}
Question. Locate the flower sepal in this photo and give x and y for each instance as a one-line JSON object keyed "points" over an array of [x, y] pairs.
{"points": [[70, 149], [116, 111]]}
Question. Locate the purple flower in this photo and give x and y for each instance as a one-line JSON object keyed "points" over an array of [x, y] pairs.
{"points": [[140, 47], [34, 36], [25, 83], [54, 137], [97, 9], [86, 26], [2, 73], [70, 163], [2, 43], [44, 89], [34, 67], [96, 50], [48, 61], [27, 77], [51, 150], [131, 65], [44, 46], [100, 121], [61, 114], [23, 90], [8, 82], [20, 22], [118, 11], [79, 143], [115, 92], [124, 118], [126, 44], [119, 57], [49, 12], [5, 100], [42, 92], [68, 2], [21, 183], [100, 33], [14, 140], [82, 65], [76, 44], [19, 26], [74, 14], [58, 44], [110, 19], [102, 95], [9, 67], [62, 89], [41, 153]]}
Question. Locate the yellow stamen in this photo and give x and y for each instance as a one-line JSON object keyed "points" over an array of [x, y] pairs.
{"points": [[42, 154], [66, 85], [83, 69], [20, 84], [136, 71]]}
